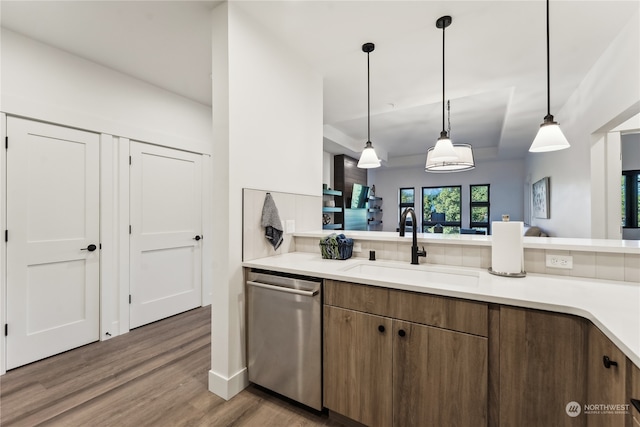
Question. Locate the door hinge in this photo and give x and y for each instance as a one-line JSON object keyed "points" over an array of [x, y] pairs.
{"points": [[100, 245], [6, 235], [6, 329], [6, 142], [129, 229], [129, 160], [129, 298]]}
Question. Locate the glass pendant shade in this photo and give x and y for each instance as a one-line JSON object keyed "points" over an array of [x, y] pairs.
{"points": [[368, 159], [444, 151], [463, 162], [549, 138]]}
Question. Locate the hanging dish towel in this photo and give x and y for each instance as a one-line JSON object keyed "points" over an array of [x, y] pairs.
{"points": [[271, 222]]}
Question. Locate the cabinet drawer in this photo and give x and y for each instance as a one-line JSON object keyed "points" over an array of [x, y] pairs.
{"points": [[369, 299], [443, 312], [448, 313]]}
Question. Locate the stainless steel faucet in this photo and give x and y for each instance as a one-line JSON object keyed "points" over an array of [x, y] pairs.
{"points": [[415, 252]]}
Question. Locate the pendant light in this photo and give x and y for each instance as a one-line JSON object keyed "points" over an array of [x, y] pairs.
{"points": [[368, 159], [550, 136], [464, 152], [445, 156]]}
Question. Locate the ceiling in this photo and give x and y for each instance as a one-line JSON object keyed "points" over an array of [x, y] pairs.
{"points": [[495, 59]]}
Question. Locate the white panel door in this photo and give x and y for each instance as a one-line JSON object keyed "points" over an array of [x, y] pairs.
{"points": [[166, 241], [52, 218]]}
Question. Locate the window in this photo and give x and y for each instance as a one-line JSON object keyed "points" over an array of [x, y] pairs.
{"points": [[443, 206], [631, 199], [407, 200], [479, 207]]}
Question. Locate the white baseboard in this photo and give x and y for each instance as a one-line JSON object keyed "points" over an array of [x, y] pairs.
{"points": [[226, 388]]}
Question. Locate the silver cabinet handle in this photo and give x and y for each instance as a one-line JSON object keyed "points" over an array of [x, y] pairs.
{"points": [[283, 289]]}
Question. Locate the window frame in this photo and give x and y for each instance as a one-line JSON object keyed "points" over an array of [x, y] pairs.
{"points": [[487, 204], [403, 206], [426, 224], [632, 177]]}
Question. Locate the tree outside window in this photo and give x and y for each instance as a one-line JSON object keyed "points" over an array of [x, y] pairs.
{"points": [[480, 207], [631, 199], [442, 200], [407, 200]]}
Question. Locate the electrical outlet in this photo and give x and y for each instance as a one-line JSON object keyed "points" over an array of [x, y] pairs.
{"points": [[357, 247], [559, 261]]}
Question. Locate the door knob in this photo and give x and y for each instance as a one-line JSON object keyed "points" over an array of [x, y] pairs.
{"points": [[608, 362], [90, 248], [197, 238], [381, 328], [402, 333]]}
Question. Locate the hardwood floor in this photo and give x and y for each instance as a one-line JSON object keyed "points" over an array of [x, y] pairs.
{"points": [[155, 375]]}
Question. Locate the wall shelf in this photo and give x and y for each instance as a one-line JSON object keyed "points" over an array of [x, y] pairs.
{"points": [[331, 209], [332, 227], [374, 214], [332, 212], [331, 192]]}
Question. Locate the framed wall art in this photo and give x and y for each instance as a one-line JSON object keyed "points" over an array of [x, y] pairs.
{"points": [[540, 202]]}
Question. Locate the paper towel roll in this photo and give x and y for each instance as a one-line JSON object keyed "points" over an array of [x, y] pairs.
{"points": [[507, 254]]}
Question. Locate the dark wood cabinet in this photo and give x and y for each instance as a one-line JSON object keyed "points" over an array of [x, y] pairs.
{"points": [[357, 374], [633, 392], [400, 358], [439, 377], [543, 360], [383, 371], [606, 375]]}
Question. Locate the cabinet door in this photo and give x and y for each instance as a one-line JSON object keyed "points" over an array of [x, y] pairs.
{"points": [[606, 385], [633, 392], [439, 377], [357, 366], [542, 368]]}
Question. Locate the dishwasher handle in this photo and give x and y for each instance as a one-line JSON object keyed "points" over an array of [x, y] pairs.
{"points": [[283, 289]]}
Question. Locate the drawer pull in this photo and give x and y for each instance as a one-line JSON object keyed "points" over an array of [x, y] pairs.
{"points": [[608, 362], [402, 333], [381, 328]]}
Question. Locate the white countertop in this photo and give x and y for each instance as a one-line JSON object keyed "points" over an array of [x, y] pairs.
{"points": [[552, 243], [614, 307]]}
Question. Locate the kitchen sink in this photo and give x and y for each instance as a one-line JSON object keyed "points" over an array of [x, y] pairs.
{"points": [[414, 274]]}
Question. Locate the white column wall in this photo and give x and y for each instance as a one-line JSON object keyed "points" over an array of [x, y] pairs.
{"points": [[267, 115], [607, 96]]}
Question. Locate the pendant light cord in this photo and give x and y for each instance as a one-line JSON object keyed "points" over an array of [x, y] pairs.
{"points": [[449, 118], [548, 67], [368, 102], [443, 28]]}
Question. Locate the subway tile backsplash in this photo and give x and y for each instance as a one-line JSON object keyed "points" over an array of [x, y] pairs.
{"points": [[597, 265]]}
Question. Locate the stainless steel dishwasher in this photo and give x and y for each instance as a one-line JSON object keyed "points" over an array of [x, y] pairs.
{"points": [[284, 328]]}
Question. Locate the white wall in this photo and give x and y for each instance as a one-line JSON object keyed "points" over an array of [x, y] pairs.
{"points": [[267, 135], [41, 82], [506, 178], [605, 98]]}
